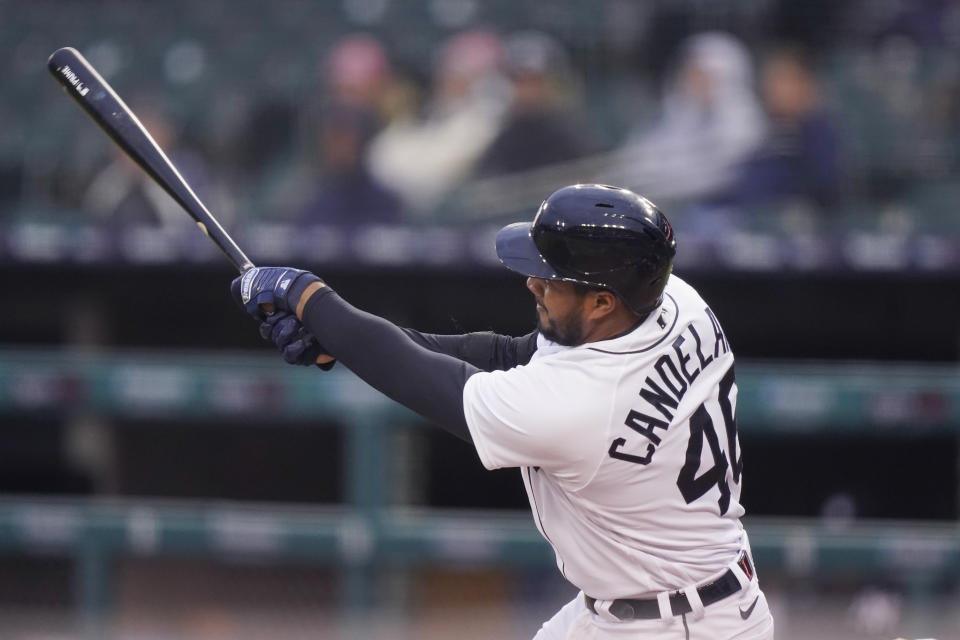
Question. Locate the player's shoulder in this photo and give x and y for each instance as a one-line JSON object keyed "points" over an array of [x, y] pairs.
{"points": [[686, 299], [557, 378], [560, 393], [681, 290], [543, 414]]}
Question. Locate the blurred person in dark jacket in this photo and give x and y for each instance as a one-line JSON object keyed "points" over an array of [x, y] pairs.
{"points": [[800, 156], [311, 177], [537, 131], [347, 193]]}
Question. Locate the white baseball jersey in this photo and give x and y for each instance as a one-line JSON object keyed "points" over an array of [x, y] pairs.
{"points": [[628, 449]]}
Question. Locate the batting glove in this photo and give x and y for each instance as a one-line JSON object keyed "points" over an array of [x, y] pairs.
{"points": [[293, 340], [277, 286]]}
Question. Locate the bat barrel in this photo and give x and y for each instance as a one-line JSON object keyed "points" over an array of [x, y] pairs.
{"points": [[108, 110]]}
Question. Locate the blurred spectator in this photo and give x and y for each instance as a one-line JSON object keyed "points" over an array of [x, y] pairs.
{"points": [[711, 122], [122, 190], [264, 137], [800, 157], [897, 106], [348, 194], [422, 158], [537, 132], [298, 156], [928, 23], [358, 72]]}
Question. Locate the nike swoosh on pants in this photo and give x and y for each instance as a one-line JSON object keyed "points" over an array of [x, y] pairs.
{"points": [[749, 610]]}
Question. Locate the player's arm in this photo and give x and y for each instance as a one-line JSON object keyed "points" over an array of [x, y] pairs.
{"points": [[379, 352], [485, 350]]}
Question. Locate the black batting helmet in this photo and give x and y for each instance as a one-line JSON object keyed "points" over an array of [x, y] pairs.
{"points": [[596, 235]]}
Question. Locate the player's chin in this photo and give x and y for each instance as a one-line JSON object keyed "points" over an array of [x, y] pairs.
{"points": [[562, 334]]}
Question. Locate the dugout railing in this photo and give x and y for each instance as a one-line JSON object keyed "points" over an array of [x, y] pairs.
{"points": [[368, 530], [94, 534], [847, 397]]}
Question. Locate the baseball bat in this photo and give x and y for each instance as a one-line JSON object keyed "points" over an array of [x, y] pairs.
{"points": [[102, 103]]}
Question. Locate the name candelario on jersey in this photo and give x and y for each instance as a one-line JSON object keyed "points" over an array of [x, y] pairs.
{"points": [[670, 377]]}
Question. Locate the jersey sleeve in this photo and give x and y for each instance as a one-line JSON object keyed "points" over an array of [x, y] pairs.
{"points": [[523, 418]]}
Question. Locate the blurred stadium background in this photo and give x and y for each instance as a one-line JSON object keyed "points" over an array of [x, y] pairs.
{"points": [[163, 475]]}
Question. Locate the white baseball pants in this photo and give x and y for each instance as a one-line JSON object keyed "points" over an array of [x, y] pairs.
{"points": [[723, 620]]}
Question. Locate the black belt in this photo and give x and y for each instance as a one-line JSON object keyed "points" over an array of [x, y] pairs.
{"points": [[725, 585]]}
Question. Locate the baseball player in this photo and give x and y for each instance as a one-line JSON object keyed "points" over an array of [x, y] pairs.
{"points": [[619, 411]]}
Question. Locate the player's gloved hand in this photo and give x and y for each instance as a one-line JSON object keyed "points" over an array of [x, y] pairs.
{"points": [[293, 340], [262, 290]]}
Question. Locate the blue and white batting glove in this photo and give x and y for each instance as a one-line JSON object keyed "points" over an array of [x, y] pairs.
{"points": [[277, 286]]}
